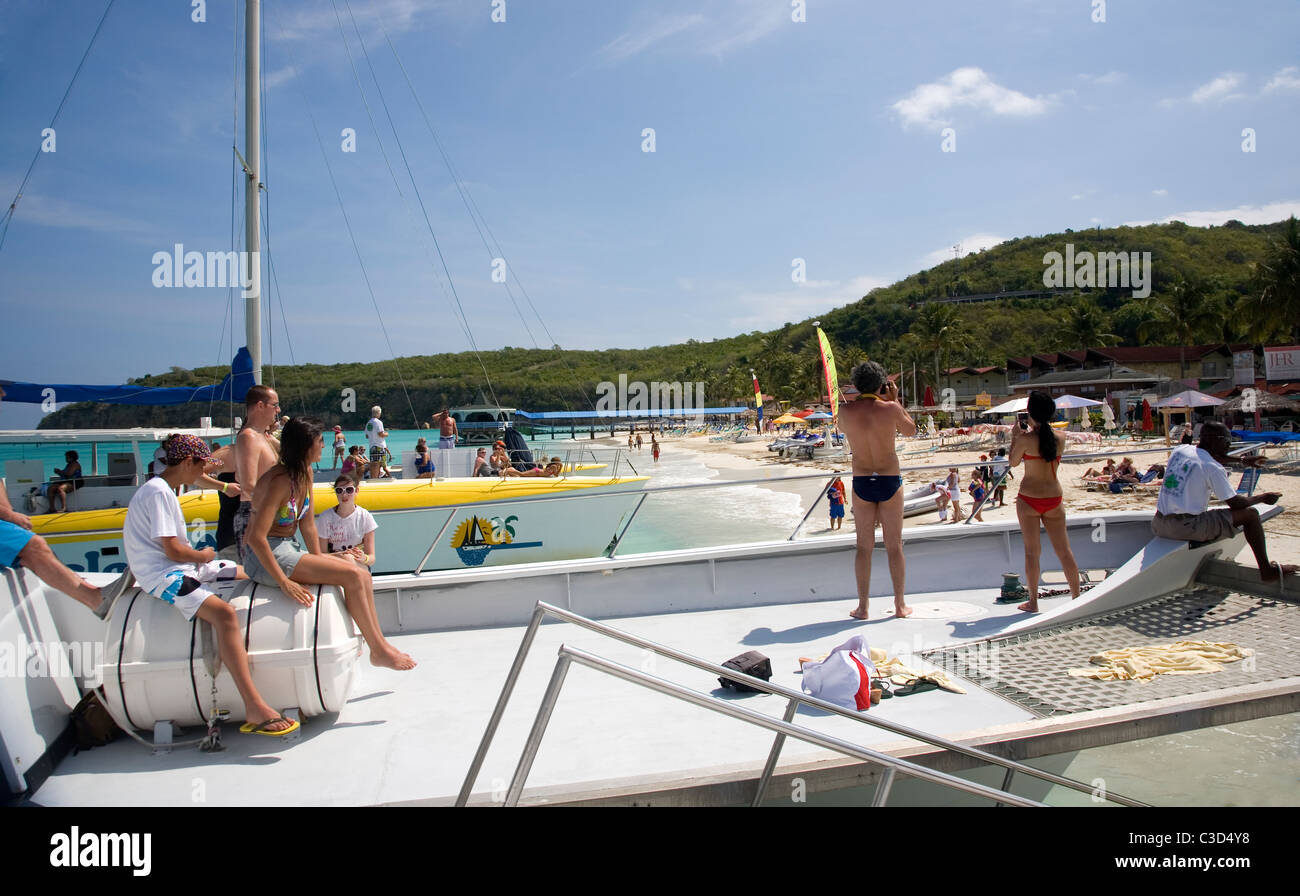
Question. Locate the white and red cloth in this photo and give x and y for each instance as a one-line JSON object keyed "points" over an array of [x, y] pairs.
{"points": [[844, 677]]}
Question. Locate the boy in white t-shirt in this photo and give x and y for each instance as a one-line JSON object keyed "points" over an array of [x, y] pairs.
{"points": [[159, 554], [347, 528]]}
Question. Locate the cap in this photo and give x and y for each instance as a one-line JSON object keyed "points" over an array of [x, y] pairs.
{"points": [[183, 447], [338, 429]]}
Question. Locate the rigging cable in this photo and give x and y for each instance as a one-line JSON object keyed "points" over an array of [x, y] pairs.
{"points": [[456, 312], [9, 213], [472, 208], [459, 307], [356, 248]]}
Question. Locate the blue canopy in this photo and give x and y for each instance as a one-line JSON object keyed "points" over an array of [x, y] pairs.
{"points": [[233, 388]]}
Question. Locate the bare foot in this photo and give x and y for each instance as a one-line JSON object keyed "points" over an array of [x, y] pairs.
{"points": [[902, 612], [1029, 606], [390, 657], [260, 715], [858, 613], [1271, 574]]}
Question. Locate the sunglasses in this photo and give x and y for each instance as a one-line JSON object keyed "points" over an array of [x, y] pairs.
{"points": [[345, 490]]}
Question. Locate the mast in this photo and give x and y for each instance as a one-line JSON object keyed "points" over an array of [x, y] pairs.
{"points": [[252, 184]]}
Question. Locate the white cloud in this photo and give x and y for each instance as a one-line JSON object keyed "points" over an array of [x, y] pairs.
{"points": [[1077, 196], [1246, 214], [965, 88], [1160, 192], [630, 43], [313, 23], [976, 242], [1286, 79], [1220, 89], [51, 212], [1107, 80], [731, 27], [755, 310]]}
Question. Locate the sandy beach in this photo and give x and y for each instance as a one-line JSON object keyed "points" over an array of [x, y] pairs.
{"points": [[751, 460]]}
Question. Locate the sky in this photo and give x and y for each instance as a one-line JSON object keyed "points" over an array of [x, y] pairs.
{"points": [[649, 172]]}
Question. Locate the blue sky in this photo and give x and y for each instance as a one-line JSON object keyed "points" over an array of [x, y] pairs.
{"points": [[775, 140]]}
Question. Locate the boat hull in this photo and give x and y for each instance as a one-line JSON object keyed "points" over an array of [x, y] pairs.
{"points": [[477, 522]]}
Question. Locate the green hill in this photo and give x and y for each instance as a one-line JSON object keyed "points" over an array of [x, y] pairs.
{"points": [[1206, 287]]}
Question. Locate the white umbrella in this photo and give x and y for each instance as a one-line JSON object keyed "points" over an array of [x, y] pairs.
{"points": [[1189, 398], [1014, 406], [1074, 401], [1085, 421], [1107, 415]]}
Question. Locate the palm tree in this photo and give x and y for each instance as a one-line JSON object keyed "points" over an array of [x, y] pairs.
{"points": [[941, 332], [1274, 309], [1085, 326], [1185, 314]]}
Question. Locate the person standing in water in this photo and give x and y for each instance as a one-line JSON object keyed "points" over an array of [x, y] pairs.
{"points": [[1040, 447], [870, 424]]}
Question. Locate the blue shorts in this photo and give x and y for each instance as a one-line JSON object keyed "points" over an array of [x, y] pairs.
{"points": [[12, 540], [837, 511]]}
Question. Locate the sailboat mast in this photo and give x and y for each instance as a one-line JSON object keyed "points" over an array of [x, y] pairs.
{"points": [[252, 184]]}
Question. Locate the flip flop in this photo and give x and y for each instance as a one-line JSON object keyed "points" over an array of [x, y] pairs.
{"points": [[250, 728], [920, 686]]}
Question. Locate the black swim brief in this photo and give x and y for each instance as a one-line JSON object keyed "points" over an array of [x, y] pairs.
{"points": [[876, 489]]}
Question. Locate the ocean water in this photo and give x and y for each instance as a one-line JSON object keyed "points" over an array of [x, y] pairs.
{"points": [[1255, 763]]}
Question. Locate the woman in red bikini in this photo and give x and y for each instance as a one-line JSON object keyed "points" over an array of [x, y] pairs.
{"points": [[1040, 447]]}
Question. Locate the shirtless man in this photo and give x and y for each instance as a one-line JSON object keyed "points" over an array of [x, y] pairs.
{"points": [[870, 424], [446, 428], [255, 453]]}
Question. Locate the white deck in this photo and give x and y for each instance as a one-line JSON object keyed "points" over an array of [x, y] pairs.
{"points": [[410, 737]]}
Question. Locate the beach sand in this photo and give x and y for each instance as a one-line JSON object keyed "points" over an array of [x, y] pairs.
{"points": [[751, 460]]}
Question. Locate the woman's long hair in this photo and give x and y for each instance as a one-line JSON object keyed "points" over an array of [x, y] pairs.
{"points": [[1041, 410], [296, 441]]}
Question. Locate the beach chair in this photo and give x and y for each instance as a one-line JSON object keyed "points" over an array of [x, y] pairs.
{"points": [[1249, 479]]}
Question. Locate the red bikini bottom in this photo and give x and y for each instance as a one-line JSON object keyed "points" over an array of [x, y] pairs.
{"points": [[1040, 505]]}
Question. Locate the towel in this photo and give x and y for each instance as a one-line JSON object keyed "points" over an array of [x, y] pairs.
{"points": [[1145, 663]]}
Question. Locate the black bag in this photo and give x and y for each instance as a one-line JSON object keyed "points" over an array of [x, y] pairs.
{"points": [[94, 726], [751, 663]]}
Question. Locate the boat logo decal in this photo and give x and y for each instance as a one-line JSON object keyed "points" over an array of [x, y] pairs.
{"points": [[476, 537]]}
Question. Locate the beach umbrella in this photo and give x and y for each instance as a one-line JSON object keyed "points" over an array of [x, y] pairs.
{"points": [[1107, 415], [1074, 401], [1189, 398], [1268, 402], [820, 415], [929, 401], [802, 415], [1147, 423], [788, 418], [1014, 406], [1085, 421]]}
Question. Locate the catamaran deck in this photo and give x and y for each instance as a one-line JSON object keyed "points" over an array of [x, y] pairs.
{"points": [[409, 738]]}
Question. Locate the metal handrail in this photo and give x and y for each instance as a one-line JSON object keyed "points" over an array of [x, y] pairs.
{"points": [[892, 765], [797, 698]]}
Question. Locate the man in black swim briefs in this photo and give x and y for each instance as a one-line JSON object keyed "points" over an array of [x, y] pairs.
{"points": [[870, 424], [875, 488]]}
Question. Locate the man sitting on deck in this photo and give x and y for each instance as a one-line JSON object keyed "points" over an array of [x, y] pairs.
{"points": [[870, 424], [1193, 472]]}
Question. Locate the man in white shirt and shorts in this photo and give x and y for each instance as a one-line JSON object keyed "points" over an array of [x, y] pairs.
{"points": [[1193, 474]]}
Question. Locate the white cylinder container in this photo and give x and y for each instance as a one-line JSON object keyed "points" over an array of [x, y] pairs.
{"points": [[304, 657]]}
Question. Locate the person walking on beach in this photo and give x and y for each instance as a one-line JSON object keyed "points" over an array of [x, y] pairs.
{"points": [[835, 495], [1040, 448], [953, 486], [870, 423], [340, 447], [654, 448]]}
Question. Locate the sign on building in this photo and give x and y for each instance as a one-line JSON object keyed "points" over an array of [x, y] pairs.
{"points": [[983, 400], [1282, 363]]}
